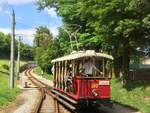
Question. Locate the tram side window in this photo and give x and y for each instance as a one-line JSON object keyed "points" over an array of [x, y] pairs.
{"points": [[76, 69], [80, 69], [99, 66], [69, 69], [69, 77], [104, 66], [108, 67]]}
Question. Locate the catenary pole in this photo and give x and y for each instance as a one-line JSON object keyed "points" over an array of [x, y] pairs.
{"points": [[12, 58], [18, 58]]}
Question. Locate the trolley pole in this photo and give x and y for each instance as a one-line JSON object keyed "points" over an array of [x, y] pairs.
{"points": [[12, 58], [18, 58]]}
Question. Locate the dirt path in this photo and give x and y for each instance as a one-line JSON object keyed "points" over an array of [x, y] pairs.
{"points": [[23, 102]]}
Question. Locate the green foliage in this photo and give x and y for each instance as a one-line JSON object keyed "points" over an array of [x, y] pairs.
{"points": [[46, 48], [37, 70], [43, 37], [5, 66], [4, 45], [117, 27], [134, 94], [63, 41], [7, 95], [26, 52]]}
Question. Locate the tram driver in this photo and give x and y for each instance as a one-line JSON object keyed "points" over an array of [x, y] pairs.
{"points": [[88, 67]]}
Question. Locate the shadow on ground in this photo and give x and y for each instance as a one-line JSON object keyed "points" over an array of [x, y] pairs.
{"points": [[4, 72], [135, 84]]}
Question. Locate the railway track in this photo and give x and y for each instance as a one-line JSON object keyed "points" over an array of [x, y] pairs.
{"points": [[50, 103], [46, 102]]}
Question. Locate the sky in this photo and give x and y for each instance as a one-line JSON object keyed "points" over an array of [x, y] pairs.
{"points": [[27, 18]]}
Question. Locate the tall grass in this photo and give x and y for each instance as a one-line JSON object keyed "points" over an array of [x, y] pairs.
{"points": [[6, 94], [134, 94], [38, 70]]}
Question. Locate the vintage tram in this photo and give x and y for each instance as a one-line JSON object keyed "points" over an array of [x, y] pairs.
{"points": [[83, 78]]}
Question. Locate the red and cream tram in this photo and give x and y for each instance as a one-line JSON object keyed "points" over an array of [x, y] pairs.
{"points": [[83, 78]]}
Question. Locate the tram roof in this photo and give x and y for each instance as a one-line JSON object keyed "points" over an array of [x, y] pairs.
{"points": [[82, 54]]}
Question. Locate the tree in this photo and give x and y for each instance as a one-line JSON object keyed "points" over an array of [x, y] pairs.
{"points": [[43, 36], [5, 45], [64, 41], [26, 52], [115, 26], [46, 48]]}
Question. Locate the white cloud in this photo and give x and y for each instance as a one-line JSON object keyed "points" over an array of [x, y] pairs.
{"points": [[23, 32], [51, 12], [5, 30], [54, 31], [16, 2], [28, 34], [7, 12]]}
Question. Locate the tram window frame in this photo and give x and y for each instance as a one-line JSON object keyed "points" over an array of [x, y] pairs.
{"points": [[78, 67], [98, 64]]}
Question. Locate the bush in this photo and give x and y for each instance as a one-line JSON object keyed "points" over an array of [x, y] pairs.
{"points": [[5, 66]]}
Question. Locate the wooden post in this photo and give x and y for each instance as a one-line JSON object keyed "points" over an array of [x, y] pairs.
{"points": [[94, 72], [18, 59], [103, 67], [59, 75], [12, 52], [56, 74], [62, 74], [65, 75], [73, 68]]}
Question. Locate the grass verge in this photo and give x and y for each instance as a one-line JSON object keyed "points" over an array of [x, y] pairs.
{"points": [[37, 70], [6, 94], [135, 94]]}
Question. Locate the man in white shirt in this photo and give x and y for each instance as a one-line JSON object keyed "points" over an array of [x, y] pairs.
{"points": [[88, 67]]}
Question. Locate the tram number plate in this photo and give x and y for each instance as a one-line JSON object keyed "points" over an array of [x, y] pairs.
{"points": [[104, 83]]}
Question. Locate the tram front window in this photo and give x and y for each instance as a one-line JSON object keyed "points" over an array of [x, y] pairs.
{"points": [[91, 67], [88, 67]]}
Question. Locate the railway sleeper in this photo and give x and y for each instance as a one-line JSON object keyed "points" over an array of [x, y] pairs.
{"points": [[63, 101], [64, 97]]}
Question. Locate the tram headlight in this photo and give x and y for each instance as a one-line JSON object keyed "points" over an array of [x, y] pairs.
{"points": [[95, 92], [94, 85]]}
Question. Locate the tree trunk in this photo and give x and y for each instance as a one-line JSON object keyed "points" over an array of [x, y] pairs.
{"points": [[117, 66], [117, 73], [126, 60]]}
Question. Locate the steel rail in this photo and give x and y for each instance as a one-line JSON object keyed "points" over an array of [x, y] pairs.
{"points": [[36, 109], [47, 90], [56, 95]]}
